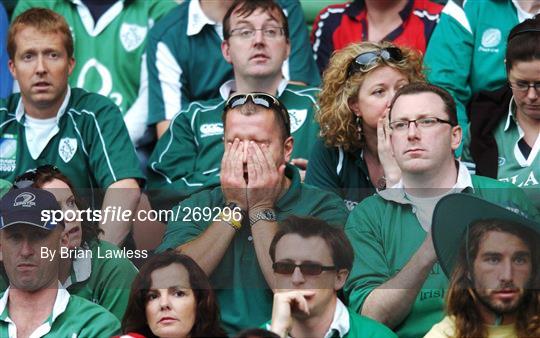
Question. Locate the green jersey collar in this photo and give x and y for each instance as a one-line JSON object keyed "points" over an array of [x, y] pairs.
{"points": [[60, 305], [291, 197], [19, 111], [230, 86], [511, 117], [81, 268], [397, 192]]}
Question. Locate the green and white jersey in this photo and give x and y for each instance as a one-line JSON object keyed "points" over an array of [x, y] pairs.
{"points": [[245, 298], [185, 63], [103, 280], [71, 317], [89, 143], [187, 158], [385, 231], [110, 53], [513, 167]]}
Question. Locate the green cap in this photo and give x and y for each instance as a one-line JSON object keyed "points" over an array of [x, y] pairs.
{"points": [[456, 212]]}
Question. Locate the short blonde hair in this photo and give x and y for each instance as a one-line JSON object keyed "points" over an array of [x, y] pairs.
{"points": [[337, 121]]}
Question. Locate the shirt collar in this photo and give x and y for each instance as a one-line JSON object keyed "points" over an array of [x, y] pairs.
{"points": [[511, 111], [95, 28], [19, 111], [197, 19], [230, 86], [341, 322], [289, 200], [397, 192], [60, 305], [81, 268], [358, 7], [522, 15]]}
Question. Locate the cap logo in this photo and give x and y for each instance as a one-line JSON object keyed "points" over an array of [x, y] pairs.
{"points": [[25, 200]]}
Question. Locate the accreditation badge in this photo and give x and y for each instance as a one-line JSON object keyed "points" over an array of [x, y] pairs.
{"points": [[8, 152]]}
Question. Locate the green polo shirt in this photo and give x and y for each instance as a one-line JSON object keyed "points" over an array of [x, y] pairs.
{"points": [[385, 234], [185, 63], [91, 145], [187, 159], [339, 171], [244, 296], [513, 167], [71, 317]]}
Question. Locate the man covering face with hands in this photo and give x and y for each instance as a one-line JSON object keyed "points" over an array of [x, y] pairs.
{"points": [[258, 188]]}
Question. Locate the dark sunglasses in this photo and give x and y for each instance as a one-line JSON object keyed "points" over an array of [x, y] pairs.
{"points": [[368, 60], [308, 269], [261, 99], [28, 178]]}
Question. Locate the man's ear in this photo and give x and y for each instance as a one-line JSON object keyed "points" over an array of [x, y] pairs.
{"points": [[456, 137], [288, 146], [341, 278], [12, 70], [225, 50]]}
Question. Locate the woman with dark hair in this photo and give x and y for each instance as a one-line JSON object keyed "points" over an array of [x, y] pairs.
{"points": [[90, 268], [172, 297]]}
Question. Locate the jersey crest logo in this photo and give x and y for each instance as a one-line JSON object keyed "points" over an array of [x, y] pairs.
{"points": [[211, 129], [67, 148], [132, 36], [297, 117], [491, 38]]}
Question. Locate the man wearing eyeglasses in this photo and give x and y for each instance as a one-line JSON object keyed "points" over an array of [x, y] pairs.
{"points": [[504, 137], [396, 278], [258, 187], [256, 42], [311, 262], [185, 62]]}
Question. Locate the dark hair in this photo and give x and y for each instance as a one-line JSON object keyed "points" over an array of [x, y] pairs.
{"points": [[245, 8], [335, 238], [43, 20], [461, 297], [281, 116], [256, 333], [422, 87], [90, 230], [207, 322], [523, 43]]}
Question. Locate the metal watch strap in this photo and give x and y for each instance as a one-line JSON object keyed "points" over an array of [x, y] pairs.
{"points": [[266, 215]]}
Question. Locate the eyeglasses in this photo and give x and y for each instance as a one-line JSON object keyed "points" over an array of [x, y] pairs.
{"points": [[422, 123], [523, 86], [261, 99], [368, 60], [248, 33], [309, 269], [27, 179]]}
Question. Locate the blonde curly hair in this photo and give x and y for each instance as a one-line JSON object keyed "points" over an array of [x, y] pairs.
{"points": [[337, 121]]}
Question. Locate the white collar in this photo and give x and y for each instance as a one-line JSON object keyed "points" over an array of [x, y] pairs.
{"points": [[522, 15], [397, 194], [19, 111], [510, 116], [59, 307], [81, 267], [340, 322], [230, 86], [197, 19], [92, 28]]}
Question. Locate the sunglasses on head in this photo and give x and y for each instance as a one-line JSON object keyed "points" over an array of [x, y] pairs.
{"points": [[260, 99], [28, 178], [368, 60], [309, 269]]}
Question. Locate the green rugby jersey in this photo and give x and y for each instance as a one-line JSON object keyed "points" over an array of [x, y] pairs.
{"points": [[187, 158], [185, 63], [109, 53], [385, 233], [245, 298], [71, 317], [91, 145]]}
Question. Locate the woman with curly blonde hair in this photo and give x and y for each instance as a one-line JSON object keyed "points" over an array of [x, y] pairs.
{"points": [[354, 156]]}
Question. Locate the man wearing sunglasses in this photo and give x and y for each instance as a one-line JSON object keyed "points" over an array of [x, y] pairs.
{"points": [[49, 122], [260, 186], [396, 278], [256, 43], [311, 262], [35, 304]]}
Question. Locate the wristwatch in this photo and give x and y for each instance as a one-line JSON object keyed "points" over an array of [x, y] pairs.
{"points": [[264, 215]]}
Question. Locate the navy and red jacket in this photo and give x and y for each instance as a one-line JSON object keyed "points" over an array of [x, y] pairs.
{"points": [[339, 25]]}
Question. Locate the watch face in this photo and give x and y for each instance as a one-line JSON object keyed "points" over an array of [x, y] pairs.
{"points": [[269, 214]]}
